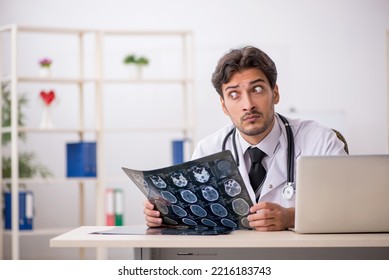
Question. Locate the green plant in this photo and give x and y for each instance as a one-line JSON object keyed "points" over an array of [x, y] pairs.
{"points": [[129, 59], [6, 113], [28, 165], [142, 61], [133, 59]]}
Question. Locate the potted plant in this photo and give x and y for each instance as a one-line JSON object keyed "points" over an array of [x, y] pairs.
{"points": [[136, 64], [28, 165], [45, 64]]}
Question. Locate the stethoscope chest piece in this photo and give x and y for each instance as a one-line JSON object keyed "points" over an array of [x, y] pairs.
{"points": [[288, 191]]}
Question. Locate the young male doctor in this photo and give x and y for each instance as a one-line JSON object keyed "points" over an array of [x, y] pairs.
{"points": [[246, 79]]}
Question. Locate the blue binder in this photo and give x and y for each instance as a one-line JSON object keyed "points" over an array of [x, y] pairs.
{"points": [[178, 151], [26, 210], [81, 159]]}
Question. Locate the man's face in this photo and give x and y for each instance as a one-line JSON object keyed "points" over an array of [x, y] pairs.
{"points": [[249, 101]]}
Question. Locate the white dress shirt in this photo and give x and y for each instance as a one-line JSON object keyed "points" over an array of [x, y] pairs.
{"points": [[310, 138]]}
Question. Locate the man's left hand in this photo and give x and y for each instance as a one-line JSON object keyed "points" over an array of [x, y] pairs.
{"points": [[267, 216]]}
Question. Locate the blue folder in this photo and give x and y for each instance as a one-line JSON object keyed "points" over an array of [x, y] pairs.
{"points": [[26, 209], [81, 159]]}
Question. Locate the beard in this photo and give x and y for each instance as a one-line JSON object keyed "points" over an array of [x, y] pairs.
{"points": [[257, 130]]}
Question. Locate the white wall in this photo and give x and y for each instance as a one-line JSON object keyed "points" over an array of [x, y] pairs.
{"points": [[331, 54]]}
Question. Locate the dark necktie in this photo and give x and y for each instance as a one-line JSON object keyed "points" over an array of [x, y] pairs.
{"points": [[257, 172]]}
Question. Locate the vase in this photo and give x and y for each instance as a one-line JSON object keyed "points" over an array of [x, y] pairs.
{"points": [[46, 121], [134, 72], [45, 72]]}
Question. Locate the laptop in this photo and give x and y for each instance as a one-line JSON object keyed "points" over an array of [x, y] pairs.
{"points": [[342, 194]]}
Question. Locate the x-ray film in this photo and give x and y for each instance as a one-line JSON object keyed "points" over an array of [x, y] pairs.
{"points": [[206, 192]]}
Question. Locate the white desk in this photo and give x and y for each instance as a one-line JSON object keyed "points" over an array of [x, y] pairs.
{"points": [[238, 244]]}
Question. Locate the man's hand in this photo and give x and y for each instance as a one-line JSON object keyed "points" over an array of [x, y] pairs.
{"points": [[267, 216], [152, 216]]}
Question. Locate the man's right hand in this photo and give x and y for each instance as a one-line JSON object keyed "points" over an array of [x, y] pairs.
{"points": [[152, 216]]}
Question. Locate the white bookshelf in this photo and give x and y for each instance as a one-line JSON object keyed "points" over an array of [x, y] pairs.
{"points": [[100, 83]]}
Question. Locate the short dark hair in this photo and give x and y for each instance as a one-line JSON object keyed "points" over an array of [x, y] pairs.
{"points": [[241, 59]]}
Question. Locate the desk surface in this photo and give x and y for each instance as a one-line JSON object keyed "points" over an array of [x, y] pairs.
{"points": [[82, 237]]}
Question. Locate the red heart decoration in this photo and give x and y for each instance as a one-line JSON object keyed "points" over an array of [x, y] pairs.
{"points": [[47, 97]]}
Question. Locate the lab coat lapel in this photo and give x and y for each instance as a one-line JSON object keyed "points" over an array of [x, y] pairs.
{"points": [[277, 172]]}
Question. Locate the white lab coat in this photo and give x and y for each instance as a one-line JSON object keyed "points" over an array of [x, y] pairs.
{"points": [[310, 138]]}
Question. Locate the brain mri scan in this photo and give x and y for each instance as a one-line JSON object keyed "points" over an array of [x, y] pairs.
{"points": [[161, 207], [179, 180], [139, 179], [240, 206], [219, 210], [169, 196], [198, 210], [232, 187], [179, 211], [206, 192], [188, 196], [201, 174], [158, 182], [209, 193]]}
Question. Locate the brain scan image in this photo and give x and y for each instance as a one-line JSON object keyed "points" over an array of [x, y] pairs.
{"points": [[188, 196], [179, 211], [208, 222], [161, 207], [232, 187], [169, 196], [245, 222], [158, 182], [240, 206], [140, 180], [228, 223], [198, 210], [152, 194], [179, 180], [189, 222], [204, 192], [209, 193], [224, 167], [201, 174], [170, 221], [218, 210]]}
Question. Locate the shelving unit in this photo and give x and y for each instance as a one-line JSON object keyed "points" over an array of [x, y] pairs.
{"points": [[100, 83]]}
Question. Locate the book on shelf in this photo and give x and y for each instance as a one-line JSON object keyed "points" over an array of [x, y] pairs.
{"points": [[114, 209], [180, 151], [26, 210], [81, 159]]}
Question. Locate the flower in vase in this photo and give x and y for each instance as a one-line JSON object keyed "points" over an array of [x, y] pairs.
{"points": [[45, 62]]}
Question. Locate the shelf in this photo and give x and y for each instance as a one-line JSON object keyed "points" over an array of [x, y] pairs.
{"points": [[91, 130], [145, 129], [55, 80], [50, 130], [145, 33], [60, 80], [94, 82], [105, 32], [147, 81], [31, 79], [36, 232], [51, 181]]}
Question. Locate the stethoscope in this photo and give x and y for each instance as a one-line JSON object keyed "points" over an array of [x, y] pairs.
{"points": [[290, 188]]}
